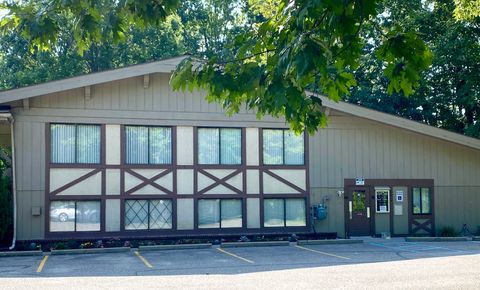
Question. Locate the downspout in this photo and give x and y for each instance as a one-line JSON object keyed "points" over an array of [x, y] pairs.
{"points": [[14, 185]]}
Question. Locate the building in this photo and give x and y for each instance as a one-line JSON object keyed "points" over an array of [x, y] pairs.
{"points": [[119, 154]]}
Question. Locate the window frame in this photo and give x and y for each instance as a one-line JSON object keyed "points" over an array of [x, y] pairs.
{"points": [[283, 148], [102, 134], [242, 203], [430, 211], [75, 201], [197, 144], [172, 137], [149, 200], [284, 199]]}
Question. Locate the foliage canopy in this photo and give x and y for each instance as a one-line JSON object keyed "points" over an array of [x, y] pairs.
{"points": [[265, 53]]}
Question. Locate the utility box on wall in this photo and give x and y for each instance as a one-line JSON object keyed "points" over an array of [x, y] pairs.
{"points": [[319, 212], [36, 211]]}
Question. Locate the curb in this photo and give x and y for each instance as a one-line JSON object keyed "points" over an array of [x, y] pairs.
{"points": [[476, 238], [90, 251], [329, 242], [254, 244], [436, 239], [21, 253], [174, 247]]}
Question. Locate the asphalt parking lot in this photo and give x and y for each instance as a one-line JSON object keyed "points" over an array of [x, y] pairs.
{"points": [[219, 261]]}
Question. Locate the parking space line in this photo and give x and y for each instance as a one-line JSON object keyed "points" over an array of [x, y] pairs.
{"points": [[42, 264], [320, 252], [236, 256], [137, 253], [398, 248], [427, 247]]}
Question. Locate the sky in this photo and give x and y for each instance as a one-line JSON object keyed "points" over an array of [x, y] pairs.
{"points": [[3, 12]]}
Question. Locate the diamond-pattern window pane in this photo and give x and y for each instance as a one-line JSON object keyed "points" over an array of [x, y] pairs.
{"points": [[136, 214], [160, 214]]}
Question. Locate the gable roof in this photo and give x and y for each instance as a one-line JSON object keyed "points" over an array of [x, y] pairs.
{"points": [[168, 65], [163, 66]]}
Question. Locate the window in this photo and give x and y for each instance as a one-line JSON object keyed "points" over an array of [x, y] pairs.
{"points": [[282, 147], [148, 214], [219, 146], [281, 212], [74, 216], [75, 143], [148, 145], [421, 200], [219, 213], [382, 198]]}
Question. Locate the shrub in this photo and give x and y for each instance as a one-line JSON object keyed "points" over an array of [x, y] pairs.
{"points": [[60, 246], [447, 232]]}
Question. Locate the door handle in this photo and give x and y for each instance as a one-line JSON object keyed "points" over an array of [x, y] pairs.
{"points": [[350, 207], [368, 212]]}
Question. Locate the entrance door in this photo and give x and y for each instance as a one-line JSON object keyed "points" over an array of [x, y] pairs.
{"points": [[358, 212]]}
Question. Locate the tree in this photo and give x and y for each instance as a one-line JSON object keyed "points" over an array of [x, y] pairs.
{"points": [[467, 9], [210, 25], [93, 21], [20, 66], [23, 63], [306, 44], [448, 95]]}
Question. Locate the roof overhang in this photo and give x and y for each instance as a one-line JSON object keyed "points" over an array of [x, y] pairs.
{"points": [[400, 122], [169, 65], [162, 66]]}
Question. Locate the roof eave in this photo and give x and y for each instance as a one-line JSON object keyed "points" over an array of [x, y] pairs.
{"points": [[400, 122], [162, 66]]}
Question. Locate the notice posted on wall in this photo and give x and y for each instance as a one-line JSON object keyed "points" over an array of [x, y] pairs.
{"points": [[398, 209]]}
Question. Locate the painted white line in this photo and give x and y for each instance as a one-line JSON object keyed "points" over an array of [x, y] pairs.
{"points": [[143, 260], [42, 264], [320, 252], [236, 256], [397, 248]]}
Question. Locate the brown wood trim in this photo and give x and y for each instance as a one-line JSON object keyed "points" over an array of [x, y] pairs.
{"points": [[422, 225], [76, 181], [46, 210], [241, 194], [220, 181], [260, 181], [409, 184], [174, 233], [148, 181], [369, 194], [412, 217], [392, 182], [283, 180]]}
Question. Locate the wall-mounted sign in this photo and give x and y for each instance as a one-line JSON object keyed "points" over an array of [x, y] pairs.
{"points": [[399, 196], [381, 200], [398, 209], [359, 181]]}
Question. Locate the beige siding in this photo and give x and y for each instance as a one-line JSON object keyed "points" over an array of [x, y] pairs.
{"points": [[127, 101], [352, 147], [30, 227], [349, 147], [30, 174]]}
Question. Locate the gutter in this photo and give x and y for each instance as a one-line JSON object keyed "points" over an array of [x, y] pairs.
{"points": [[6, 117]]}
